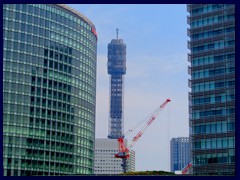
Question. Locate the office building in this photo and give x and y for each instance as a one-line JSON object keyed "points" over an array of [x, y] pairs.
{"points": [[180, 153], [131, 161], [105, 162], [49, 90], [117, 70], [212, 83]]}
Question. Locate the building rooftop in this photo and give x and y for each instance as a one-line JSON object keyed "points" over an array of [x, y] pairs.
{"points": [[76, 13]]}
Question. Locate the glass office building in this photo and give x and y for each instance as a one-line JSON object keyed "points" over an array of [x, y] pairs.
{"points": [[212, 96], [49, 90], [179, 153]]}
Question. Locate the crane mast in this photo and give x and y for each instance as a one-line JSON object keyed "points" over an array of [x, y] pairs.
{"points": [[123, 150]]}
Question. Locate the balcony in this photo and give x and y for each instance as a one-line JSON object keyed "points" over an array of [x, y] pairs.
{"points": [[210, 92], [188, 32], [189, 70], [213, 52], [207, 14], [230, 22], [207, 39], [188, 20], [189, 8], [189, 83], [189, 45], [189, 58], [209, 105]]}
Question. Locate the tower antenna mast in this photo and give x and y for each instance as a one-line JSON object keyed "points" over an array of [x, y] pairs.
{"points": [[117, 32]]}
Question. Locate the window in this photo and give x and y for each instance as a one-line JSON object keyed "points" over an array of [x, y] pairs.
{"points": [[210, 46]]}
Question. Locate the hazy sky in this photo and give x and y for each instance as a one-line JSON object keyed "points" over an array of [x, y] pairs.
{"points": [[156, 39]]}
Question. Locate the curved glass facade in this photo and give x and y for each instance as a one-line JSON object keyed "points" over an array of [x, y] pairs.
{"points": [[49, 90]]}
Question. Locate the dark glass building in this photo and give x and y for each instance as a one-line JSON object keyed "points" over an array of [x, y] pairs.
{"points": [[212, 96], [180, 153], [49, 90], [116, 70]]}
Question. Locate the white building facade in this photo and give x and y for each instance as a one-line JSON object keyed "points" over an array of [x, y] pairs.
{"points": [[105, 162]]}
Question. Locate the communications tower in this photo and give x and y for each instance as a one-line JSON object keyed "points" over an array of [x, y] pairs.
{"points": [[116, 70]]}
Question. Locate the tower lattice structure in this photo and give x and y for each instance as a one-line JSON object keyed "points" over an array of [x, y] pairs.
{"points": [[116, 70]]}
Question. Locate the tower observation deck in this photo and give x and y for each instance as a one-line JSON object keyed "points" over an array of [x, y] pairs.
{"points": [[116, 70]]}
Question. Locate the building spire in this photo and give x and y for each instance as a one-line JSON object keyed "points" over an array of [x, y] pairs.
{"points": [[117, 32]]}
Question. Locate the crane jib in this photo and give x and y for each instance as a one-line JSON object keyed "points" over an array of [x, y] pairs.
{"points": [[123, 150], [151, 120]]}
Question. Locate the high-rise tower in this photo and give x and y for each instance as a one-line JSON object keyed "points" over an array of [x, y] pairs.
{"points": [[180, 153], [117, 70], [49, 90], [212, 96], [106, 148]]}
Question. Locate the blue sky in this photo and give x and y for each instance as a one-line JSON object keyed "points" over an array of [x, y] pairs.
{"points": [[156, 39]]}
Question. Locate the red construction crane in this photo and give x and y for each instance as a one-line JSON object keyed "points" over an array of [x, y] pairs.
{"points": [[123, 151], [186, 169]]}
